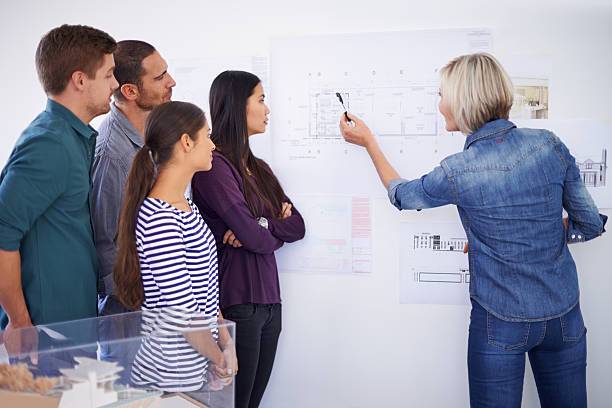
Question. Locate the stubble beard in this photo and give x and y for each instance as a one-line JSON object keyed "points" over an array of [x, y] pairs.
{"points": [[95, 110], [146, 103], [144, 106]]}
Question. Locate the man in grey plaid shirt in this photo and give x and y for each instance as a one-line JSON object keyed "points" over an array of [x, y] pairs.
{"points": [[144, 83]]}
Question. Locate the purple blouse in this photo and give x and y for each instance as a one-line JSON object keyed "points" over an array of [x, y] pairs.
{"points": [[247, 274]]}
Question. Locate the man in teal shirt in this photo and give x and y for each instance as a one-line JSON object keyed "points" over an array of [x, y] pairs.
{"points": [[48, 263]]}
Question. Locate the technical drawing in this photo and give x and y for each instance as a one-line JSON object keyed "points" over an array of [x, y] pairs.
{"points": [[433, 267], [461, 276], [425, 240], [324, 113], [594, 173], [394, 109], [395, 93]]}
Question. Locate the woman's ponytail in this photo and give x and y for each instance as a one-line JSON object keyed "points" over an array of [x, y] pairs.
{"points": [[126, 270]]}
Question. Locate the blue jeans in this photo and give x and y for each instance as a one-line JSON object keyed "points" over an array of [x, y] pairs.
{"points": [[496, 359]]}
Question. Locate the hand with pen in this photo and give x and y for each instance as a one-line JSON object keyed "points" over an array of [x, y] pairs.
{"points": [[353, 129], [358, 133]]}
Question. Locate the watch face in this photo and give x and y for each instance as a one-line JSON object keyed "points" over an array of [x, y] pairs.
{"points": [[263, 222]]}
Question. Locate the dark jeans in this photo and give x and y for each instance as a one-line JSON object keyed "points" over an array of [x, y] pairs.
{"points": [[257, 330], [496, 359]]}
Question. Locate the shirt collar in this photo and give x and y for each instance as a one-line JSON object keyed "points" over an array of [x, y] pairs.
{"points": [[66, 114], [126, 126], [490, 129]]}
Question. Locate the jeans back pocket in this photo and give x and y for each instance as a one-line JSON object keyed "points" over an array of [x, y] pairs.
{"points": [[507, 335], [572, 325]]}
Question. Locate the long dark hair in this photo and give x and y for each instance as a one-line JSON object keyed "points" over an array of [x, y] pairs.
{"points": [[163, 129], [228, 99]]}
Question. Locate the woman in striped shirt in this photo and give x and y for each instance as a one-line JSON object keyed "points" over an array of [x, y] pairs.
{"points": [[167, 262]]}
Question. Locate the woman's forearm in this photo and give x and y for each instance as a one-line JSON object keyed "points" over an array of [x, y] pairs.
{"points": [[358, 133], [204, 343], [385, 171]]}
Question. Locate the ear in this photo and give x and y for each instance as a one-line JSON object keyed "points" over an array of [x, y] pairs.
{"points": [[78, 80], [186, 142], [129, 91]]}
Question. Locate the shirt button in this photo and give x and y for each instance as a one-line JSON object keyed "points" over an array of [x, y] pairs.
{"points": [[573, 236]]}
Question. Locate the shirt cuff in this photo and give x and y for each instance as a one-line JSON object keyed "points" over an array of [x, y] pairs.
{"points": [[574, 234], [10, 238], [391, 188]]}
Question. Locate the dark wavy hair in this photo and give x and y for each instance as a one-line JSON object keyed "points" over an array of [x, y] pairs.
{"points": [[128, 63], [228, 99], [163, 129]]}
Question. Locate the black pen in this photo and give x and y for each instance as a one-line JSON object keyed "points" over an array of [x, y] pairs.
{"points": [[342, 102]]}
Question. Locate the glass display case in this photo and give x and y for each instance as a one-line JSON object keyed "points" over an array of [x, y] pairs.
{"points": [[163, 358]]}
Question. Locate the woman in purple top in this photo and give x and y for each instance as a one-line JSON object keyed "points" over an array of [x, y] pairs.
{"points": [[244, 205]]}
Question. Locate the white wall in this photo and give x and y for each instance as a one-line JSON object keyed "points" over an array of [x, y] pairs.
{"points": [[347, 342]]}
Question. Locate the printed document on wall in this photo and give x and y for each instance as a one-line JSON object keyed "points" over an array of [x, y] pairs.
{"points": [[390, 80], [433, 268], [338, 236]]}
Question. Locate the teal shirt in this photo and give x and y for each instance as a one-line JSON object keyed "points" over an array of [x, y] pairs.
{"points": [[45, 214]]}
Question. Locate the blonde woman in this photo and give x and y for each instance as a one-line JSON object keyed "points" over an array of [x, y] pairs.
{"points": [[510, 187]]}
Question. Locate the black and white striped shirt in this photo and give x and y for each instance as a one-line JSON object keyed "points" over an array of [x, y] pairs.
{"points": [[178, 264]]}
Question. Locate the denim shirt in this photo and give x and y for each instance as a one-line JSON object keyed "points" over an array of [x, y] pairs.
{"points": [[116, 147], [510, 187]]}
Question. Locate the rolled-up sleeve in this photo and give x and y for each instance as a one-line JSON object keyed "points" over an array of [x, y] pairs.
{"points": [[584, 220], [33, 179], [434, 189]]}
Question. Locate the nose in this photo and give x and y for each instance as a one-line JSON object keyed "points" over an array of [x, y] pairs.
{"points": [[115, 84], [267, 110], [172, 82]]}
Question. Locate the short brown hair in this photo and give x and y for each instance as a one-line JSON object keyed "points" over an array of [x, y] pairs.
{"points": [[67, 49]]}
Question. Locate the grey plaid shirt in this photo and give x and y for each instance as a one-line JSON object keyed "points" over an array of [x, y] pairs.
{"points": [[117, 144]]}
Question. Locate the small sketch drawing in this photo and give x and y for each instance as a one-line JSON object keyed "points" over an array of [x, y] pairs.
{"points": [[461, 276], [434, 242], [325, 111], [593, 172]]}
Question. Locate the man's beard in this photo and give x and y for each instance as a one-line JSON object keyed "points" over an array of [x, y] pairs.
{"points": [[98, 109], [146, 103], [144, 106]]}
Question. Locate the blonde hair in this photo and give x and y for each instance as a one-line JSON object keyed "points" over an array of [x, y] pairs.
{"points": [[477, 90]]}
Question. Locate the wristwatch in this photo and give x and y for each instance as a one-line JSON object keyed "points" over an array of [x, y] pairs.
{"points": [[263, 222]]}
